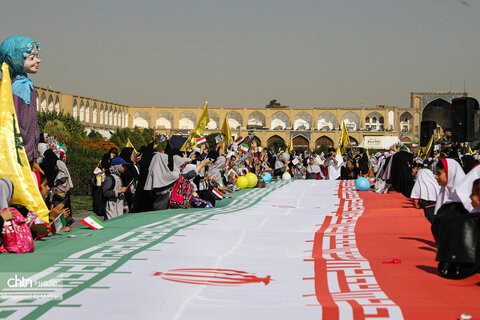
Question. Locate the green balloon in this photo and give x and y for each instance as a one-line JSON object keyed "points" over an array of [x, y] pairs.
{"points": [[242, 182], [252, 179]]}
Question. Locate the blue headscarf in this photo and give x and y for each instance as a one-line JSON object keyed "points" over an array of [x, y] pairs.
{"points": [[14, 50]]}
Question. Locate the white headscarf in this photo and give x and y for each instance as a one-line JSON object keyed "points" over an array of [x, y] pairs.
{"points": [[279, 163], [455, 177], [313, 168], [217, 167], [426, 187], [465, 189], [159, 175], [6, 192]]}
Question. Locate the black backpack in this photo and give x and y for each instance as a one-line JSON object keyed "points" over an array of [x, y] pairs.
{"points": [[98, 200]]}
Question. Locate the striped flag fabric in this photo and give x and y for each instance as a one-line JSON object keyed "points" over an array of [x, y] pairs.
{"points": [[60, 222], [251, 134], [92, 222], [218, 194], [201, 140], [244, 147], [239, 140]]}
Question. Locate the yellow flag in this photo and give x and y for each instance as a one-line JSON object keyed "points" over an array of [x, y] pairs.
{"points": [[130, 145], [426, 150], [290, 146], [227, 135], [368, 153], [470, 150], [13, 159], [199, 129], [344, 140]]}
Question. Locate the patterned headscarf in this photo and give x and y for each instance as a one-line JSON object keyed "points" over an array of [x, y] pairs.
{"points": [[13, 51]]}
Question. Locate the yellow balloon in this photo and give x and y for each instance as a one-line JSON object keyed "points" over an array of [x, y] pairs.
{"points": [[242, 182], [252, 179]]}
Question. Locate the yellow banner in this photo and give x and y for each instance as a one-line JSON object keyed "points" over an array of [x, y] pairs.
{"points": [[426, 150], [13, 159], [227, 135], [199, 129], [290, 146], [130, 145], [344, 140]]}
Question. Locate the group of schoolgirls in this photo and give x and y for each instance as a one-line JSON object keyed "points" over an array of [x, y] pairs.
{"points": [[447, 190], [150, 180]]}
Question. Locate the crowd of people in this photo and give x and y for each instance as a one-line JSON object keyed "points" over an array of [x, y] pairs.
{"points": [[446, 185]]}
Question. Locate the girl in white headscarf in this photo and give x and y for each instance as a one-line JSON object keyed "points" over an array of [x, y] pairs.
{"points": [[464, 190], [426, 189], [449, 175], [456, 232]]}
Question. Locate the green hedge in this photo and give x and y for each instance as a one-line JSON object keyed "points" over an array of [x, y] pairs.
{"points": [[81, 162]]}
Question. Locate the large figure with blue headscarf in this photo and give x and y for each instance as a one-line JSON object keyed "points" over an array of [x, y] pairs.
{"points": [[21, 55]]}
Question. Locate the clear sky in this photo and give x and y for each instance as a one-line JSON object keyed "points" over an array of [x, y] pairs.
{"points": [[243, 53]]}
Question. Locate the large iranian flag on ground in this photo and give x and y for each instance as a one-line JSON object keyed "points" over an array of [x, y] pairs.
{"points": [[294, 250]]}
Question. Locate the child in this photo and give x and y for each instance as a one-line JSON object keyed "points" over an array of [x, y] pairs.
{"points": [[114, 191], [475, 196], [455, 230], [21, 55]]}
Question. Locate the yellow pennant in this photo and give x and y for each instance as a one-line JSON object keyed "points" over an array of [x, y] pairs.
{"points": [[130, 145], [13, 159], [225, 131], [199, 129], [344, 140]]}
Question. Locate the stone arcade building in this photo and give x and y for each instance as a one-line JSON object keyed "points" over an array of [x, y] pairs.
{"points": [[308, 127]]}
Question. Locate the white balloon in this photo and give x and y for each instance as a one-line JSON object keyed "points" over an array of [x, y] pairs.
{"points": [[286, 176], [286, 156]]}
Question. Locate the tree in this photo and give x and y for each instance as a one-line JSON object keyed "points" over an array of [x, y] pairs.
{"points": [[72, 126], [274, 104], [322, 148], [278, 145], [211, 139], [138, 137], [95, 135], [57, 128]]}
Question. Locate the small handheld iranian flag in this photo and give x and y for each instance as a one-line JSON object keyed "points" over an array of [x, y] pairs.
{"points": [[251, 134], [62, 147], [239, 141], [218, 194], [93, 222], [244, 147], [60, 222], [201, 140]]}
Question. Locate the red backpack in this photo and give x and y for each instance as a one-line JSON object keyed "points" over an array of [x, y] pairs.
{"points": [[182, 193]]}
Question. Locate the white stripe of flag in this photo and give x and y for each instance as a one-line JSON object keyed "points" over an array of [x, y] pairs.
{"points": [[201, 140]]}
